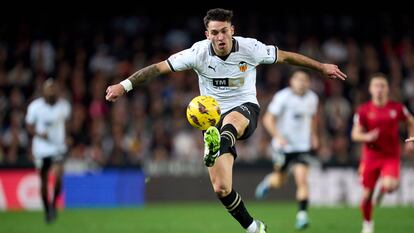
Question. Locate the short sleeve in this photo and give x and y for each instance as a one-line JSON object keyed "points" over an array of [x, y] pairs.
{"points": [[276, 105], [403, 113], [359, 117], [264, 54], [68, 110], [30, 115], [183, 60]]}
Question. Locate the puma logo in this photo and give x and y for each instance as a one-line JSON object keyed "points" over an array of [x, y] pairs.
{"points": [[213, 68]]}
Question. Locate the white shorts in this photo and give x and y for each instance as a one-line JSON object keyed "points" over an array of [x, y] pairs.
{"points": [[55, 159]]}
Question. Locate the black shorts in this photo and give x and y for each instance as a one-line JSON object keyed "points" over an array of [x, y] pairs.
{"points": [[286, 160], [251, 111]]}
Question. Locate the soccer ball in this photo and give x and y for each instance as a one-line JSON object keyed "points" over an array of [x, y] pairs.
{"points": [[203, 112]]}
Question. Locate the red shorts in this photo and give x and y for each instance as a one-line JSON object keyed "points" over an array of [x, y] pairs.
{"points": [[371, 169]]}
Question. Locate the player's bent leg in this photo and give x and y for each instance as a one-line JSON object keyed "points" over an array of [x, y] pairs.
{"points": [[300, 173], [389, 184], [273, 180], [221, 179], [277, 179], [238, 121], [390, 179], [217, 142]]}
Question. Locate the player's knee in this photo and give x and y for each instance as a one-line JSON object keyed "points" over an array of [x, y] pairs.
{"points": [[367, 194], [389, 188], [276, 184], [222, 190], [389, 185]]}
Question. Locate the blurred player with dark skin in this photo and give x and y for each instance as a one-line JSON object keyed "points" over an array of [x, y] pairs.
{"points": [[376, 124], [291, 120], [46, 122], [226, 69]]}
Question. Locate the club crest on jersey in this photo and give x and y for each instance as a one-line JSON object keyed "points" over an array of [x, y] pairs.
{"points": [[242, 66], [393, 114]]}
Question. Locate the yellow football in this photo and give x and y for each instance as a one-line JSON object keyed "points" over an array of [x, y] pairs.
{"points": [[203, 112]]}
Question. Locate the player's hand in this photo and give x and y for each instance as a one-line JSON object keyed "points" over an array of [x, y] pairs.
{"points": [[409, 147], [315, 143], [410, 139], [43, 135], [113, 92], [332, 71], [281, 141], [372, 135]]}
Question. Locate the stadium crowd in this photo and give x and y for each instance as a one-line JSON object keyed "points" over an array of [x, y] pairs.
{"points": [[150, 124]]}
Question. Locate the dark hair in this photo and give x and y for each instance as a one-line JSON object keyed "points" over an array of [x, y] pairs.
{"points": [[379, 75], [218, 14], [299, 70]]}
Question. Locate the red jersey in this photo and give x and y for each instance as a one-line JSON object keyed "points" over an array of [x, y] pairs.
{"points": [[386, 119]]}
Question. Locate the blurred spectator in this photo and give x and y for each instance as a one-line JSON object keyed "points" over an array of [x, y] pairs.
{"points": [[19, 75], [102, 61], [337, 110], [42, 56]]}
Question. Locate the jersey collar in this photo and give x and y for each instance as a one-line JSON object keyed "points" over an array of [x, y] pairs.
{"points": [[234, 48]]}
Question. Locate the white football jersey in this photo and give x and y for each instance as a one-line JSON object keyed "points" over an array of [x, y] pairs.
{"points": [[231, 82], [50, 119], [294, 117]]}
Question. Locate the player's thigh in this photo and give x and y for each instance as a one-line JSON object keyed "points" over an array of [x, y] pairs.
{"points": [[238, 120], [247, 118], [390, 174], [369, 172], [300, 172], [221, 174]]}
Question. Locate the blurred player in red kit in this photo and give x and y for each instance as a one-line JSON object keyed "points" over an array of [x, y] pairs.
{"points": [[376, 124]]}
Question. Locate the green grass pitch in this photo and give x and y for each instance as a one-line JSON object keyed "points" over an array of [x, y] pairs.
{"points": [[204, 217]]}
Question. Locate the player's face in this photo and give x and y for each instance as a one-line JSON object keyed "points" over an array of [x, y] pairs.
{"points": [[50, 93], [220, 34], [300, 82], [378, 88]]}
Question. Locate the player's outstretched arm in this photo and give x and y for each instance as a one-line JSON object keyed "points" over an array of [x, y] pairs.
{"points": [[328, 70], [143, 75]]}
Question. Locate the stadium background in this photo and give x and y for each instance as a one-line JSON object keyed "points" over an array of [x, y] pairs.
{"points": [[147, 131]]}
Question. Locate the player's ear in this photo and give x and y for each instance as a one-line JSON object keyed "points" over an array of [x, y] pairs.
{"points": [[206, 33], [232, 30]]}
